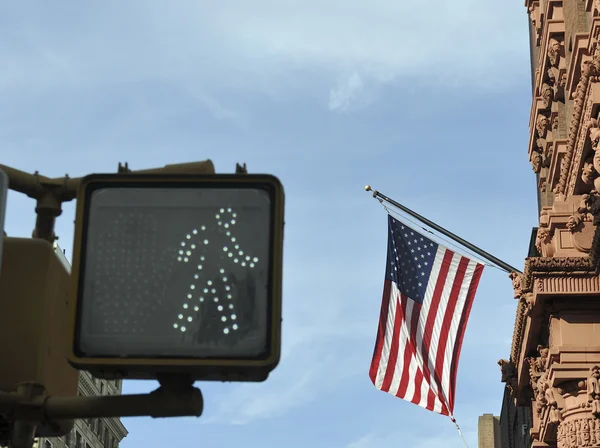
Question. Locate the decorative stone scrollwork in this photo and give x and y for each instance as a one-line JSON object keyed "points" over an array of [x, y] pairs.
{"points": [[596, 8], [509, 374]]}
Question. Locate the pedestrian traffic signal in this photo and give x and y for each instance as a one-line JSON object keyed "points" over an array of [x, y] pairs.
{"points": [[177, 274]]}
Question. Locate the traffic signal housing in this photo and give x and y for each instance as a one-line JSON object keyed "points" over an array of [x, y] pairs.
{"points": [[177, 274], [34, 295]]}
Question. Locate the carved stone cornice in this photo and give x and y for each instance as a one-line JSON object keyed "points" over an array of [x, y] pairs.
{"points": [[547, 275], [543, 267]]}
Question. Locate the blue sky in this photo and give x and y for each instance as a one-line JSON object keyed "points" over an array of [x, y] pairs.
{"points": [[426, 101]]}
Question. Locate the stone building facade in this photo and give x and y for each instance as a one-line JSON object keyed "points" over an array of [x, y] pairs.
{"points": [[488, 431], [91, 433], [553, 371]]}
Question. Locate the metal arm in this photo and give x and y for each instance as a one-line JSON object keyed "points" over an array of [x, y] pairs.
{"points": [[51, 193]]}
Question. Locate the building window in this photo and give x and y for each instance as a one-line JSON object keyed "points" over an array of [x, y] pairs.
{"points": [[87, 445], [100, 430], [101, 388], [47, 444], [105, 440], [77, 439], [69, 439]]}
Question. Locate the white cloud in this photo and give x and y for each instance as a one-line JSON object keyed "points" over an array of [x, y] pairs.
{"points": [[347, 94]]}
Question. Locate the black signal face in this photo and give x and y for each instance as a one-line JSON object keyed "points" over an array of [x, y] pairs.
{"points": [[175, 272]]}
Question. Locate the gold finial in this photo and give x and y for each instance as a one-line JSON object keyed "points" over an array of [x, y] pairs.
{"points": [[367, 188]]}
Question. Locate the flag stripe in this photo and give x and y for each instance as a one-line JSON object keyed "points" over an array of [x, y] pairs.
{"points": [[427, 299], [381, 332], [426, 323], [461, 331], [444, 332]]}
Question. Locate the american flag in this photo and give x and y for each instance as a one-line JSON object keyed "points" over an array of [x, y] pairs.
{"points": [[427, 297]]}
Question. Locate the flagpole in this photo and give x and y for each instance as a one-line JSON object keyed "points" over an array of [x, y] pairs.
{"points": [[501, 264], [460, 432]]}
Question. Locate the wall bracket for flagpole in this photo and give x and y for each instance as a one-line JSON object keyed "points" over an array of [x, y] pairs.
{"points": [[489, 257]]}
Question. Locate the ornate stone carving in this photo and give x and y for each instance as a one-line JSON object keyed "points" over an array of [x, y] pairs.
{"points": [[554, 51], [581, 432], [509, 374], [536, 162], [517, 282], [588, 172], [542, 125], [593, 390], [547, 94], [580, 216], [528, 301], [588, 69], [592, 203], [542, 241], [596, 8], [548, 268]]}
